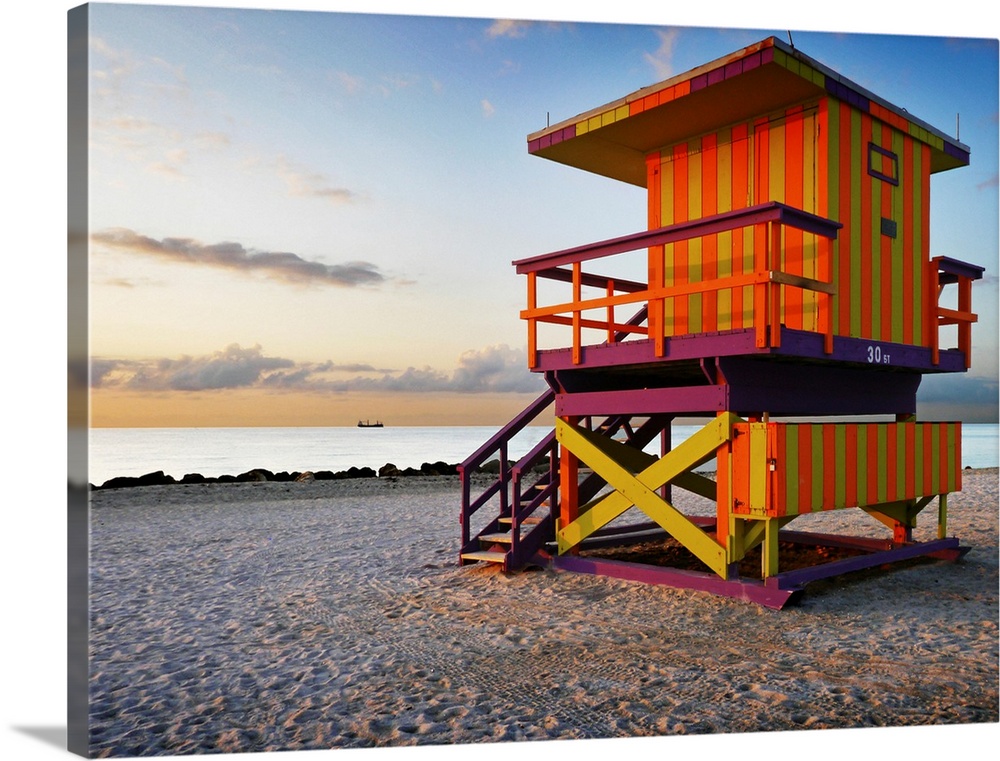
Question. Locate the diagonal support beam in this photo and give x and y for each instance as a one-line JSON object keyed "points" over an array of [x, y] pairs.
{"points": [[639, 490]]}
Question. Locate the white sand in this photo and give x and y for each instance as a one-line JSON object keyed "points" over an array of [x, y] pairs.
{"points": [[270, 616]]}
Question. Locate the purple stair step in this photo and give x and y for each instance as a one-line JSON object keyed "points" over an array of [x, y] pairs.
{"points": [[502, 538], [526, 522], [485, 555]]}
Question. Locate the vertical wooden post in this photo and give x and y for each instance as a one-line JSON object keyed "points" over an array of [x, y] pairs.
{"points": [[769, 548], [965, 326], [942, 528], [611, 312], [577, 297], [826, 299], [774, 262], [569, 469], [933, 318], [760, 256], [723, 498], [655, 306], [532, 322]]}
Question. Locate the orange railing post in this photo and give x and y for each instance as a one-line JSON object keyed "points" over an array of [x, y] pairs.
{"points": [[577, 314], [766, 279], [933, 296], [965, 324], [774, 297], [532, 322], [760, 257]]}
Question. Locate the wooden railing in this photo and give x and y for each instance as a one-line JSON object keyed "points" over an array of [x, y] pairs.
{"points": [[946, 271], [768, 221]]}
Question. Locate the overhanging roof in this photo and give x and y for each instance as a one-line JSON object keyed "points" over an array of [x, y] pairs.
{"points": [[613, 140]]}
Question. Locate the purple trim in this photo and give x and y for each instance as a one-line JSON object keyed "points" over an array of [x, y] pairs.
{"points": [[799, 578], [718, 223], [955, 152], [776, 591], [753, 61], [740, 589], [796, 344], [706, 399], [957, 268]]}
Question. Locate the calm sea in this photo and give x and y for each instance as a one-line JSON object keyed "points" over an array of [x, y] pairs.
{"points": [[231, 451]]}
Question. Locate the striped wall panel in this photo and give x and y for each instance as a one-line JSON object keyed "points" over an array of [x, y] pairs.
{"points": [[773, 159], [784, 469], [826, 158]]}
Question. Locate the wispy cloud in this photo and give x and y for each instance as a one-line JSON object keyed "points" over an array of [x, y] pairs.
{"points": [[497, 369], [303, 183], [662, 59], [508, 28], [281, 265], [989, 183], [488, 108]]}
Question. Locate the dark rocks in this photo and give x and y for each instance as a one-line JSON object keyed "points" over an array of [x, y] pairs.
{"points": [[261, 475], [438, 469], [150, 479]]}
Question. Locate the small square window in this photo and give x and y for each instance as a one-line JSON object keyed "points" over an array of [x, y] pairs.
{"points": [[883, 164]]}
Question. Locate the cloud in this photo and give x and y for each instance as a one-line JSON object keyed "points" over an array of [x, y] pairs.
{"points": [[280, 265], [488, 108], [662, 59], [495, 369], [508, 28], [969, 398], [306, 184], [989, 183]]}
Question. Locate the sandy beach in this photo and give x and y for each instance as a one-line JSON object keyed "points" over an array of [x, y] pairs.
{"points": [[267, 616]]}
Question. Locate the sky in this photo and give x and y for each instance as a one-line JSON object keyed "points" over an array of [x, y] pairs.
{"points": [[545, 207], [306, 217]]}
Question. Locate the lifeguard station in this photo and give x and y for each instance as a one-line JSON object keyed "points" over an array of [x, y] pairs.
{"points": [[786, 273]]}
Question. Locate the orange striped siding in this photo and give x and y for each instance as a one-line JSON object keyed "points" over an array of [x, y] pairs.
{"points": [[909, 442], [844, 238], [928, 459], [680, 264], [891, 472], [777, 446], [831, 476], [709, 206], [925, 244], [794, 196], [866, 235], [871, 435], [957, 485], [695, 255], [909, 259], [655, 254], [881, 463], [851, 458], [724, 241], [740, 186], [816, 160], [944, 462], [739, 467], [885, 248], [805, 469]]}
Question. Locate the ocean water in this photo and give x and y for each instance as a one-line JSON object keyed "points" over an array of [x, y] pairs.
{"points": [[230, 451]]}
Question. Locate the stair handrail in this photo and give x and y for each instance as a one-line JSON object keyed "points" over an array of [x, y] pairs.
{"points": [[496, 444]]}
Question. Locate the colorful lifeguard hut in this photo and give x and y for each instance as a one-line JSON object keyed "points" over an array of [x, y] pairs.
{"points": [[786, 273]]}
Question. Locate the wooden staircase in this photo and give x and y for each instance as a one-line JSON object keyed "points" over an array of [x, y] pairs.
{"points": [[524, 528]]}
